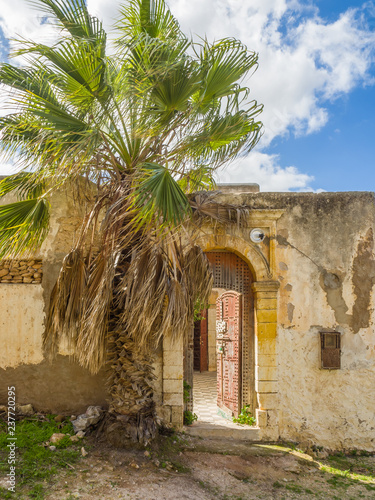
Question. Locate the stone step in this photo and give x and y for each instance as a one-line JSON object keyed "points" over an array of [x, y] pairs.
{"points": [[214, 431]]}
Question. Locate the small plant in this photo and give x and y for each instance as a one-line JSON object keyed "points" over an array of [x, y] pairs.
{"points": [[187, 389], [189, 417], [245, 417], [199, 308]]}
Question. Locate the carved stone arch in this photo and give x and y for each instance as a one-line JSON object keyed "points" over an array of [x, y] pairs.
{"points": [[244, 249], [264, 289]]}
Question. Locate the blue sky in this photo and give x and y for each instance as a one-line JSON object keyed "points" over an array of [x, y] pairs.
{"points": [[316, 79], [341, 156]]}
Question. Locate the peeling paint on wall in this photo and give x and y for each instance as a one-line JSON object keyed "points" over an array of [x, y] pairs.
{"points": [[332, 284], [363, 281], [290, 308]]}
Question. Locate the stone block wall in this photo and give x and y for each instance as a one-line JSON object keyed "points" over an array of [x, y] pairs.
{"points": [[21, 271], [172, 408]]}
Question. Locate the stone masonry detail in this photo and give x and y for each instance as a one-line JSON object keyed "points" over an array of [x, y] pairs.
{"points": [[22, 271]]}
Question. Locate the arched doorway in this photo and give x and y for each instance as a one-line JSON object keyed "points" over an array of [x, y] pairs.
{"points": [[231, 358]]}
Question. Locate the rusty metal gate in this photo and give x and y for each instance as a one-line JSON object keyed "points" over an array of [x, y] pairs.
{"points": [[232, 273]]}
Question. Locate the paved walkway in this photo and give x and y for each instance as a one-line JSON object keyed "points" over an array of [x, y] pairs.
{"points": [[204, 400]]}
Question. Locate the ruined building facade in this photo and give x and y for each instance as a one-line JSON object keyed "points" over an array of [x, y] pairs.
{"points": [[296, 287]]}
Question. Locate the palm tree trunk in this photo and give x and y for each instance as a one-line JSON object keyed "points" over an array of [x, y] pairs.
{"points": [[132, 416]]}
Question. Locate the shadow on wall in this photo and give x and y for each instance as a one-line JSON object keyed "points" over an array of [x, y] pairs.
{"points": [[62, 385]]}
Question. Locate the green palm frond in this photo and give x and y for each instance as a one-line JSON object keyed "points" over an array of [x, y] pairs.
{"points": [[24, 184], [223, 64], [75, 67], [73, 16], [147, 16], [166, 72], [23, 226], [198, 179], [29, 82], [159, 193]]}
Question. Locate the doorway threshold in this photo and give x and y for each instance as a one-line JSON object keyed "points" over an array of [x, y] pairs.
{"points": [[216, 431], [212, 421]]}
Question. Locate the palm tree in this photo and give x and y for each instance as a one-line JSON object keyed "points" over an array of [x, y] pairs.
{"points": [[146, 126]]}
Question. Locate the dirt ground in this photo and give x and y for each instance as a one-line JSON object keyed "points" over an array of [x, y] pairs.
{"points": [[182, 467]]}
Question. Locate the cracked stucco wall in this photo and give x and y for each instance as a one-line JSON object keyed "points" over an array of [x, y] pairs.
{"points": [[326, 269]]}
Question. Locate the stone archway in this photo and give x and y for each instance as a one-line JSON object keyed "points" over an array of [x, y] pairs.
{"points": [[231, 273], [261, 260], [264, 289]]}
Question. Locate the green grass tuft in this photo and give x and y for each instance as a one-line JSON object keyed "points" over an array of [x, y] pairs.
{"points": [[34, 462]]}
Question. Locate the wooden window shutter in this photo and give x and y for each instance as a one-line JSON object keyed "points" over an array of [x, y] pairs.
{"points": [[330, 350]]}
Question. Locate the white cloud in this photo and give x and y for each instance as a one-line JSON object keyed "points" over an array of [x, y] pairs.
{"points": [[265, 171], [7, 169], [304, 61], [19, 19], [107, 11]]}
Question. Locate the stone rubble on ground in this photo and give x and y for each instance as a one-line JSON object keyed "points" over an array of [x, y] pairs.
{"points": [[57, 437], [91, 417], [27, 410]]}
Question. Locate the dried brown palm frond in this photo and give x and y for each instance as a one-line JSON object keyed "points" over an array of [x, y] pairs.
{"points": [[160, 288], [199, 274], [66, 303], [160, 280], [205, 207], [68, 297], [115, 306], [92, 338]]}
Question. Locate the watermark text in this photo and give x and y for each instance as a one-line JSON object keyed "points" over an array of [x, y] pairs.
{"points": [[12, 439]]}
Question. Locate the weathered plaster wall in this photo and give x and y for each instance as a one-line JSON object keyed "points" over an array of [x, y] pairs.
{"points": [[62, 386], [326, 269], [22, 317], [325, 256]]}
